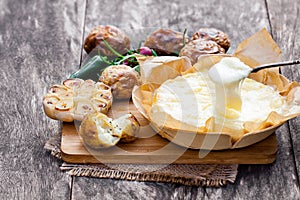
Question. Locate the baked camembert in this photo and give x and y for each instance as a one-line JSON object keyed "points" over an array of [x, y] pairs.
{"points": [[193, 101]]}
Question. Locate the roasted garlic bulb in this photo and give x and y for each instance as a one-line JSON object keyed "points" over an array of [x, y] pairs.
{"points": [[75, 98]]}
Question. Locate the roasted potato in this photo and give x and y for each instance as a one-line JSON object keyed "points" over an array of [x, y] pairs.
{"points": [[115, 37], [121, 79], [213, 34], [195, 48], [166, 41], [99, 131], [128, 127]]}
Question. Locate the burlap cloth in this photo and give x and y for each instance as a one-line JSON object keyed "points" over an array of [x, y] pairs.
{"points": [[192, 175]]}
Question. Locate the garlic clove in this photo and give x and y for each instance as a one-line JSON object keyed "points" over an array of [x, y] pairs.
{"points": [[73, 84], [64, 105]]}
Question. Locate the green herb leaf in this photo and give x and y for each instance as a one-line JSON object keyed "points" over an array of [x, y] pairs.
{"points": [[125, 58], [138, 69], [111, 49], [184, 33], [153, 52]]}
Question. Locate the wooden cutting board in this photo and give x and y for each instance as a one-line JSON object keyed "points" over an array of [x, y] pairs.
{"points": [[151, 148]]}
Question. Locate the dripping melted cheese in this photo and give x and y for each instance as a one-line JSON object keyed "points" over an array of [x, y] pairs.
{"points": [[190, 99]]}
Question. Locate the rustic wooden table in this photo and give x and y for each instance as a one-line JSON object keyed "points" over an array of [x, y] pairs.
{"points": [[41, 44]]}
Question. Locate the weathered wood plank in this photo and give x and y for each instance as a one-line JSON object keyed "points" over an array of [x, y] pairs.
{"points": [[240, 20], [40, 43], [87, 188], [274, 181], [285, 21]]}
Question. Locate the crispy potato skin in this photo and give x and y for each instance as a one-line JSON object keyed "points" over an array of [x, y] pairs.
{"points": [[121, 79], [124, 129], [212, 34], [196, 48], [89, 131], [165, 42], [114, 36]]}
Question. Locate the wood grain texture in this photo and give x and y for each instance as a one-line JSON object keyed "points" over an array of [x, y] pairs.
{"points": [[285, 21], [94, 189], [155, 150], [40, 43]]}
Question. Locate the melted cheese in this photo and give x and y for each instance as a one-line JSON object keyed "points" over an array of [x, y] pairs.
{"points": [[228, 76], [191, 98], [185, 98], [229, 70]]}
